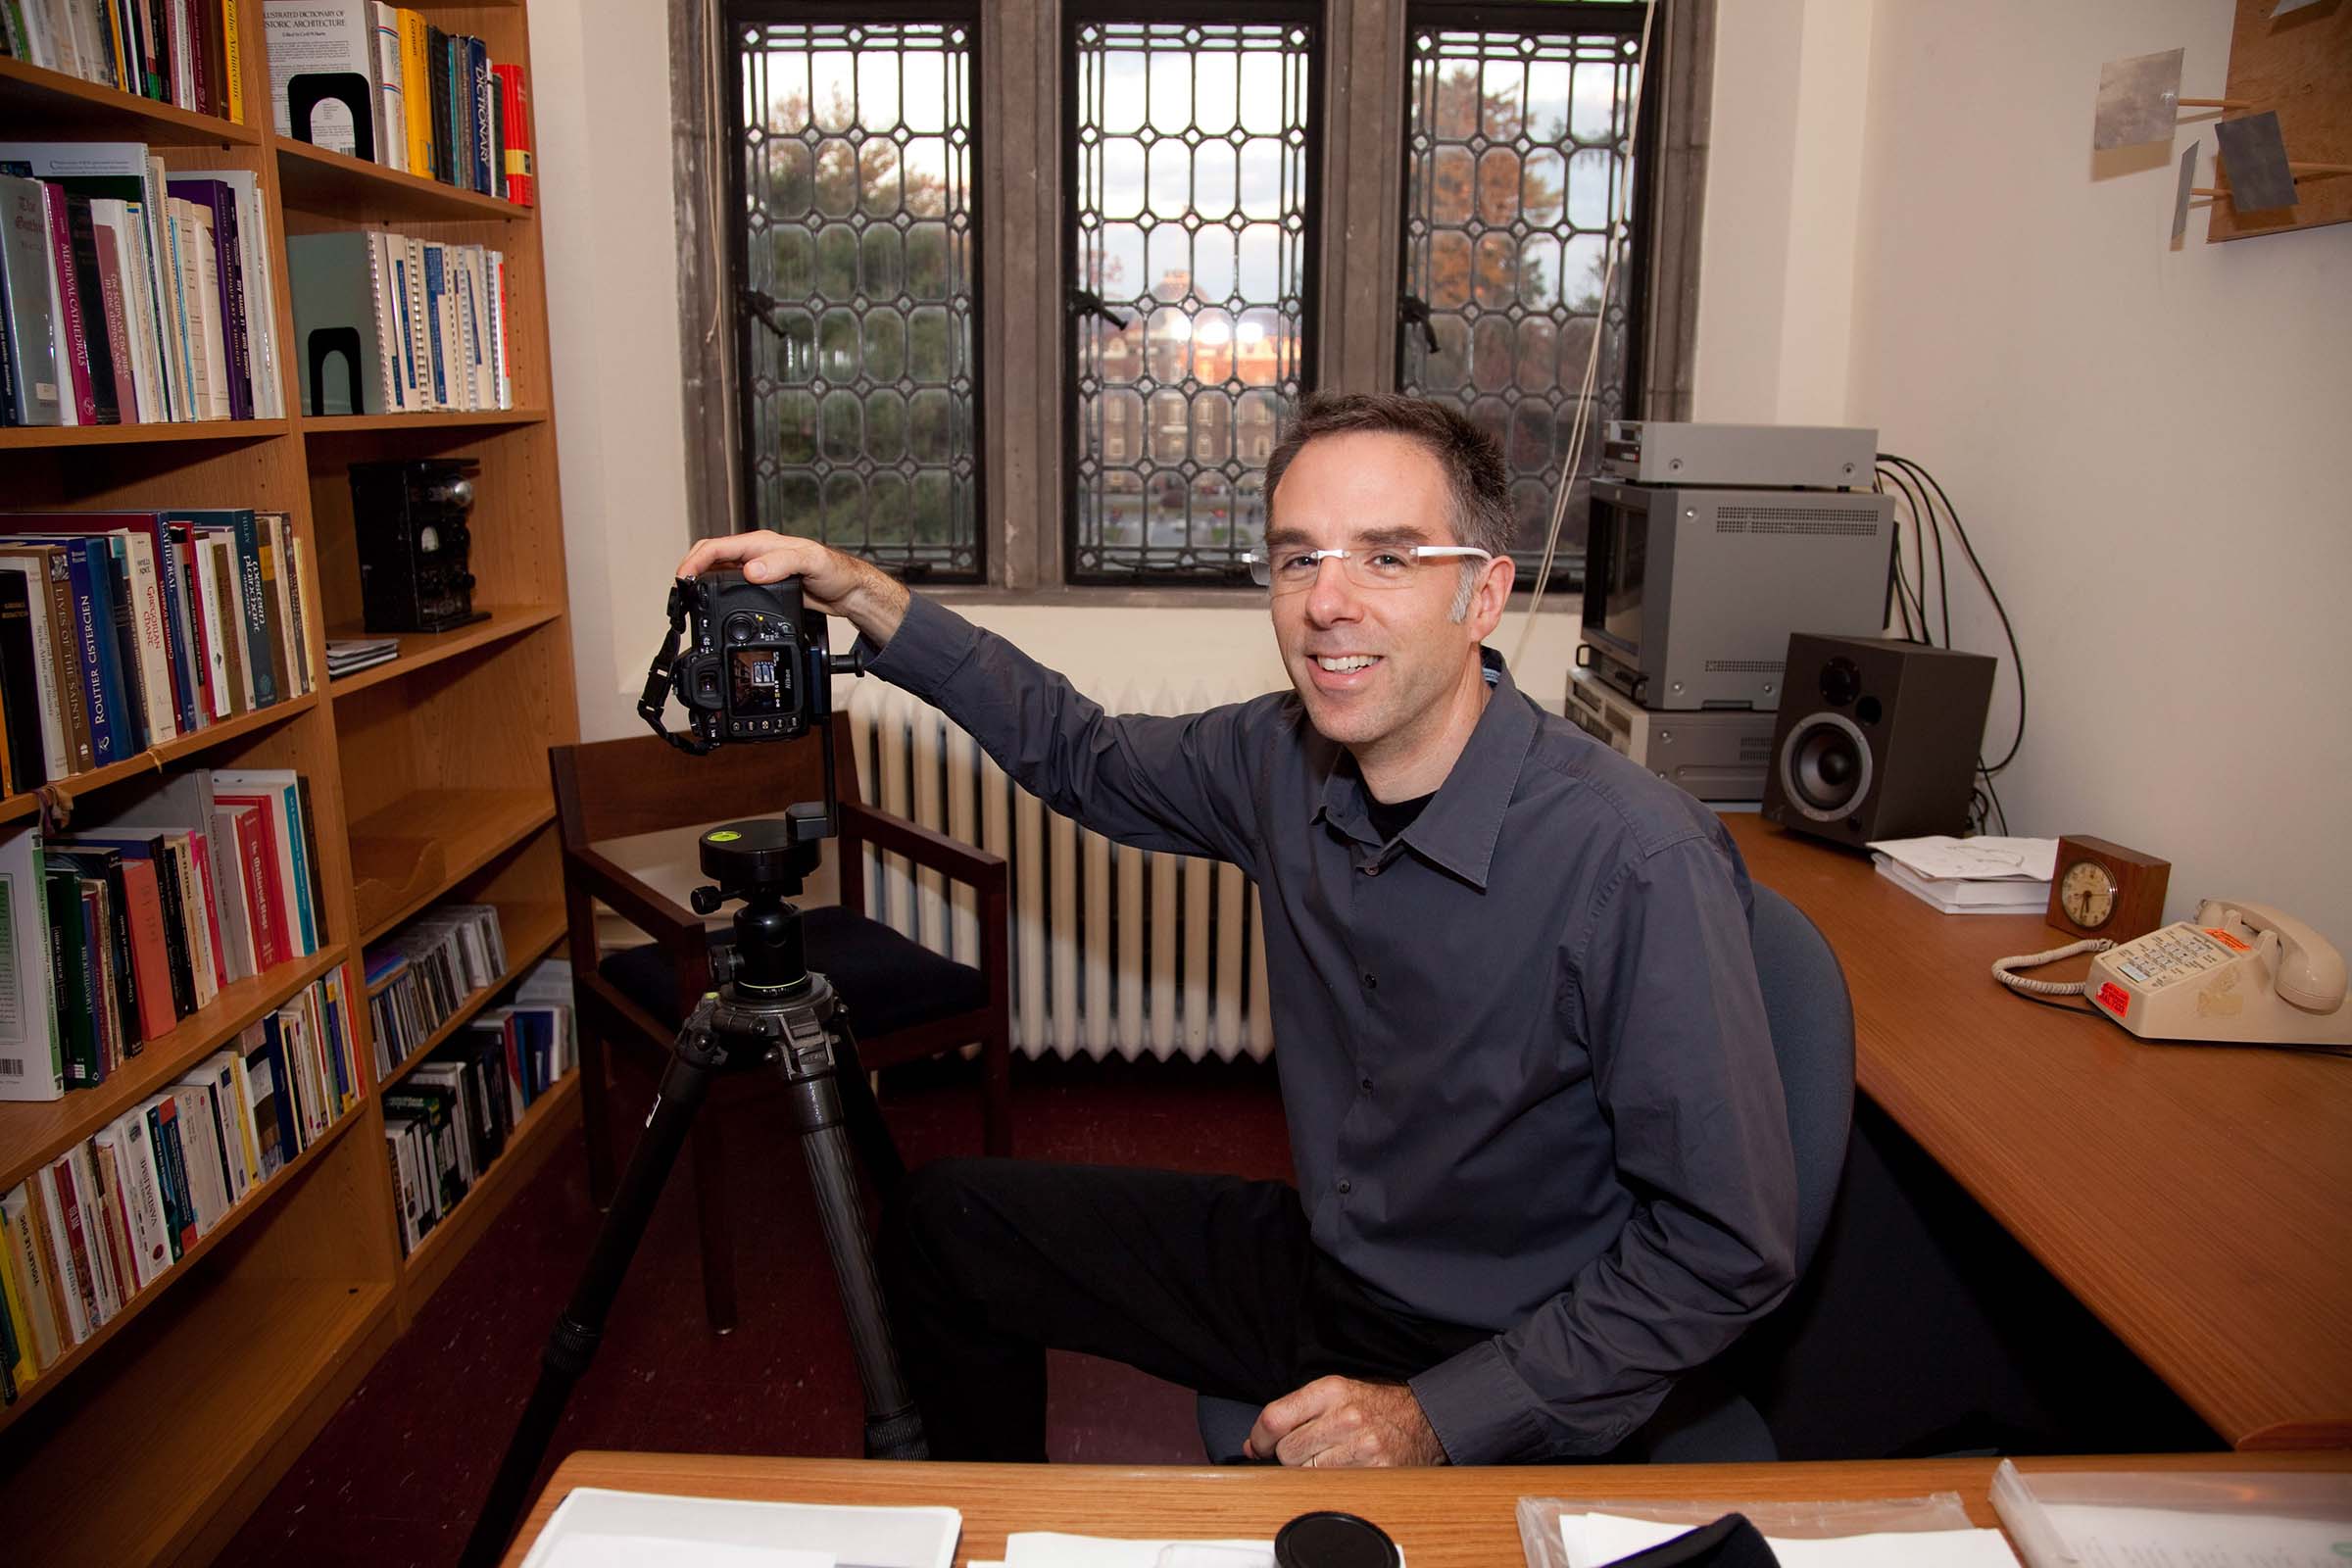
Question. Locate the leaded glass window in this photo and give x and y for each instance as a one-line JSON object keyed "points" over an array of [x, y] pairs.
{"points": [[857, 247], [1192, 202], [1519, 148]]}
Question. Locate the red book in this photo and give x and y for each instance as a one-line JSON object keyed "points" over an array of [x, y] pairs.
{"points": [[200, 847], [118, 336], [515, 103], [150, 961], [77, 1238], [257, 860], [71, 331]]}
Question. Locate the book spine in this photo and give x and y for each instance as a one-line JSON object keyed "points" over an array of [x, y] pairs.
{"points": [[180, 1213], [233, 57], [73, 343], [118, 351], [98, 324]]}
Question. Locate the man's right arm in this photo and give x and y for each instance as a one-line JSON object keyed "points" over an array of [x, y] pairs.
{"points": [[1181, 784]]}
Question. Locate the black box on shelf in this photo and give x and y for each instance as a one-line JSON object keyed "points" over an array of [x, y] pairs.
{"points": [[413, 543]]}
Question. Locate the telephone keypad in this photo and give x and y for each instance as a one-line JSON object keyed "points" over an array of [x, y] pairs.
{"points": [[2168, 956]]}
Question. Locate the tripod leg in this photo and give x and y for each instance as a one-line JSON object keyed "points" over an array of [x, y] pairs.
{"points": [[876, 1149], [573, 1345], [894, 1428]]}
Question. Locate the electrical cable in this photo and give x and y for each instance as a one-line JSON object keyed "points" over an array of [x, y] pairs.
{"points": [[1915, 501], [1993, 794], [1617, 234], [2016, 658]]}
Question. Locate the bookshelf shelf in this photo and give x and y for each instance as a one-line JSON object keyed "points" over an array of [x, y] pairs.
{"points": [[257, 1201], [338, 185], [16, 807], [59, 105], [21, 438], [424, 649], [376, 423], [463, 830], [322, 1336], [552, 1116], [35, 1133], [537, 929]]}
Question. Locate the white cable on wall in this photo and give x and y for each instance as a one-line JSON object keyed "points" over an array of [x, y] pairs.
{"points": [[1584, 397]]}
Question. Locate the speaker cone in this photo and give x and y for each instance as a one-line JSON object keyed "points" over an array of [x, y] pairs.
{"points": [[1824, 766]]}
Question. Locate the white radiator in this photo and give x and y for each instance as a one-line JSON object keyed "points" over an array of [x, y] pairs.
{"points": [[1114, 950]]}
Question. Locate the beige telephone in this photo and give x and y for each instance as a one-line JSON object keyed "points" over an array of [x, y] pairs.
{"points": [[2238, 975]]}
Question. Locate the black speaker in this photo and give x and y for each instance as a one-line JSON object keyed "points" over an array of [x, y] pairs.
{"points": [[1876, 739]]}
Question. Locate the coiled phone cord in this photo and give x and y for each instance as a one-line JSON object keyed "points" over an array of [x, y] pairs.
{"points": [[2034, 961]]}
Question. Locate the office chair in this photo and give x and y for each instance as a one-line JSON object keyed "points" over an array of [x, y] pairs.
{"points": [[904, 1001], [1704, 1419]]}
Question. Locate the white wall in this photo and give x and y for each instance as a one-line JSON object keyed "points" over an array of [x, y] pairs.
{"points": [[1902, 230], [2148, 445]]}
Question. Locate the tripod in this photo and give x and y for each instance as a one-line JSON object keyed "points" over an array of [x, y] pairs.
{"points": [[767, 1011]]}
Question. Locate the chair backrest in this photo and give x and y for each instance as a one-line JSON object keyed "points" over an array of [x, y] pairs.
{"points": [[643, 784], [1812, 1023]]}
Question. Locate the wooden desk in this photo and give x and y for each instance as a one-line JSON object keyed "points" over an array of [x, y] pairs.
{"points": [[2197, 1199], [1443, 1518]]}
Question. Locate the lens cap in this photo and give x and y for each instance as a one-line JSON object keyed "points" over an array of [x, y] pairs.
{"points": [[1330, 1540]]}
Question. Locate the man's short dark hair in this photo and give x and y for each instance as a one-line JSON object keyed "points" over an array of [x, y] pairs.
{"points": [[1474, 469]]}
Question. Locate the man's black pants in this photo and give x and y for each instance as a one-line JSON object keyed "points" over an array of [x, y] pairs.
{"points": [[1210, 1282]]}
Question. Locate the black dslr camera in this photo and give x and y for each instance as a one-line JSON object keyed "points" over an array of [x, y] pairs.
{"points": [[755, 667]]}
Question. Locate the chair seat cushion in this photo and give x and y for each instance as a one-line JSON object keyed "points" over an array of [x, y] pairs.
{"points": [[887, 981]]}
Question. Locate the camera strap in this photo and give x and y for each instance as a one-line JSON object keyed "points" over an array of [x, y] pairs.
{"points": [[655, 696]]}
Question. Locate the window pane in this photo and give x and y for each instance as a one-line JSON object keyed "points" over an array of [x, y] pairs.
{"points": [[854, 154], [1193, 218], [1519, 147]]}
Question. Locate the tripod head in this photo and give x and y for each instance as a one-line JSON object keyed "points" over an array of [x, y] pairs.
{"points": [[764, 863]]}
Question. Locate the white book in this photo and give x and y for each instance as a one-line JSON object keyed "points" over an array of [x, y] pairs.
{"points": [[56, 760], [65, 36], [31, 1055], [392, 387], [200, 1144], [309, 37], [138, 309], [502, 372], [392, 117], [59, 1255], [219, 546], [207, 606], [142, 1196], [422, 328], [237, 915], [404, 1187], [214, 313], [188, 268], [180, 342], [153, 638]]}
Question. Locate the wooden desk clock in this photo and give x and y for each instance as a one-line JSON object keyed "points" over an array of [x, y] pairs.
{"points": [[2105, 890]]}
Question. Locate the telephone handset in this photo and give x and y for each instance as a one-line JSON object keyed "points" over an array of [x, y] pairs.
{"points": [[2238, 975]]}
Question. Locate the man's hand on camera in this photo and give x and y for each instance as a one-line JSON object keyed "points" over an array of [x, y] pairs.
{"points": [[858, 591], [1339, 1422]]}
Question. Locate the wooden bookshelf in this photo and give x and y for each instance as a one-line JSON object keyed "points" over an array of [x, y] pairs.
{"points": [[530, 936], [427, 783]]}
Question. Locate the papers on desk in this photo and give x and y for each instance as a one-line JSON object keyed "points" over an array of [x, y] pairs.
{"points": [[1041, 1548], [2214, 1519], [1971, 876], [595, 1527], [1594, 1538]]}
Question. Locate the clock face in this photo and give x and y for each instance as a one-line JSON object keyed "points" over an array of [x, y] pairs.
{"points": [[2086, 892]]}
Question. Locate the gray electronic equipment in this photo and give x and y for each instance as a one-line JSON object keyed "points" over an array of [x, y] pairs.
{"points": [[1716, 755], [1768, 457], [1690, 595]]}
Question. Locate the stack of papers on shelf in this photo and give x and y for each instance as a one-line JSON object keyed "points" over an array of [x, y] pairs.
{"points": [[1596, 1539], [595, 1527], [346, 654], [1971, 876]]}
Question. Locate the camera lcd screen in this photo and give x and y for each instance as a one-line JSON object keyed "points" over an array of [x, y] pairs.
{"points": [[754, 682]]}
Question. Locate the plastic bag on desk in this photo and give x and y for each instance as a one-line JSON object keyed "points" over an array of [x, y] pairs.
{"points": [[1541, 1539]]}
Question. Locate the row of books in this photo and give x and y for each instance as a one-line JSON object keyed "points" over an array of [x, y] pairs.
{"points": [[453, 1115], [188, 53], [130, 294], [117, 933], [121, 630], [419, 976], [91, 1230], [397, 324], [438, 106]]}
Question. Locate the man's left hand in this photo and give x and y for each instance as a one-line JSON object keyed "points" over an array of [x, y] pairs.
{"points": [[1339, 1422]]}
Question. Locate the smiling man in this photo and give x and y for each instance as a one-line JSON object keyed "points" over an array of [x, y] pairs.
{"points": [[1543, 1162]]}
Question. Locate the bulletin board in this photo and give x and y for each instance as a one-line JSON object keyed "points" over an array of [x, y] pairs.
{"points": [[2301, 65]]}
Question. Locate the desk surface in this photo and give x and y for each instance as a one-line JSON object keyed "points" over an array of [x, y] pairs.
{"points": [[1443, 1518], [2198, 1199]]}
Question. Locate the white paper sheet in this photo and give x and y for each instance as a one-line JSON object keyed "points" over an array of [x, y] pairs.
{"points": [[2180, 1537], [598, 1528], [652, 1551], [1939, 856], [1596, 1539], [1044, 1548]]}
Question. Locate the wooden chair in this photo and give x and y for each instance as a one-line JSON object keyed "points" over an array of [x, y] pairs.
{"points": [[904, 1002]]}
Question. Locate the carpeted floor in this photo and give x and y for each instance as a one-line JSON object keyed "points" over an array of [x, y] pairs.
{"points": [[396, 1476]]}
